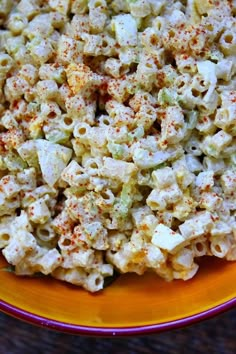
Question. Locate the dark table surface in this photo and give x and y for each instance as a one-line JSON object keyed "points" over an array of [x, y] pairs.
{"points": [[214, 336]]}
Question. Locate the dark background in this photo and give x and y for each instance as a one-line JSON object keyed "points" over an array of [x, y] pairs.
{"points": [[214, 336]]}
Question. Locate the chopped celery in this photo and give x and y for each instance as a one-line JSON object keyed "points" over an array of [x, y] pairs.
{"points": [[57, 136], [118, 151], [191, 119], [167, 96]]}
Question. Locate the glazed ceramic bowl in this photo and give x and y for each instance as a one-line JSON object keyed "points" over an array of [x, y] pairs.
{"points": [[131, 305]]}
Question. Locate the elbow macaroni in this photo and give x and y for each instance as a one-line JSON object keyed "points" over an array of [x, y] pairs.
{"points": [[117, 137]]}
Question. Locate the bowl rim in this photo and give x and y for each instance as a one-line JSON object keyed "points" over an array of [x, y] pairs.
{"points": [[71, 328]]}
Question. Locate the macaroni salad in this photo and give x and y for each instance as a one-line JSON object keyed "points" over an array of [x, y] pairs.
{"points": [[117, 137]]}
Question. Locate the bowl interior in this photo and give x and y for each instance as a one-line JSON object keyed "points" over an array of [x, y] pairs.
{"points": [[131, 301]]}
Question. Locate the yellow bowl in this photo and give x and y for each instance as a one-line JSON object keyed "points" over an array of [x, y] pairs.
{"points": [[131, 305]]}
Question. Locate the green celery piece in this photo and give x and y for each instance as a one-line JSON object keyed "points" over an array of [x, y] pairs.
{"points": [[192, 118], [57, 136], [116, 150], [166, 96]]}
